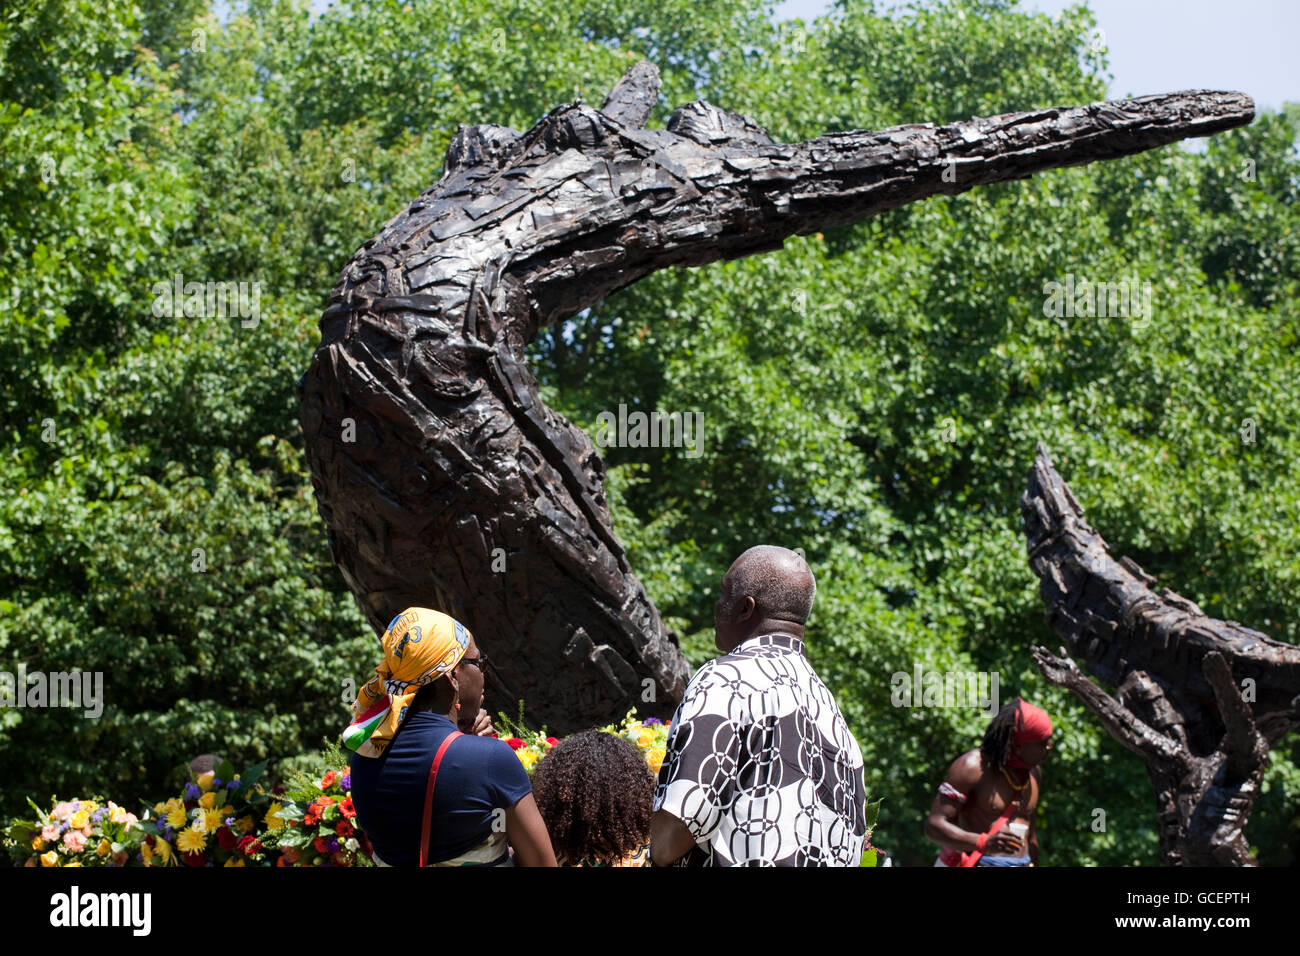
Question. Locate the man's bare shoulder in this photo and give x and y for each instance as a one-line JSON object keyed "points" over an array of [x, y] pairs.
{"points": [[965, 771]]}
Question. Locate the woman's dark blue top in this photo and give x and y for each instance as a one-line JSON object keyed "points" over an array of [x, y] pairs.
{"points": [[478, 775]]}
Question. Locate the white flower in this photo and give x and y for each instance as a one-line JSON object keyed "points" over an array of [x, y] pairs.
{"points": [[352, 844]]}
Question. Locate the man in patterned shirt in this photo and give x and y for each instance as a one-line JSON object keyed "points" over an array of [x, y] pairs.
{"points": [[761, 769]]}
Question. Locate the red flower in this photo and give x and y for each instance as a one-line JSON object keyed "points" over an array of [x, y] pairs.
{"points": [[226, 838], [344, 829], [194, 859], [278, 789], [552, 741], [366, 848], [328, 780], [320, 844], [347, 809], [311, 817], [515, 743], [248, 845], [339, 857]]}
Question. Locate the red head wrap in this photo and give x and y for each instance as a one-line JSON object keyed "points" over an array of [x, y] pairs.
{"points": [[1033, 726]]}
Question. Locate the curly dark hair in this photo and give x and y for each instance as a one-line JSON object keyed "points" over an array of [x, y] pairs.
{"points": [[594, 791]]}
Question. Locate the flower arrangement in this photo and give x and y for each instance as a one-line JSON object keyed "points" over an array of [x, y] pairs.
{"points": [[530, 746], [650, 736], [315, 823], [214, 822], [74, 833]]}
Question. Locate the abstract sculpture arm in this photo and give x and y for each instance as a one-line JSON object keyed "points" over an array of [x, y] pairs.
{"points": [[1122, 725], [441, 476], [1172, 662]]}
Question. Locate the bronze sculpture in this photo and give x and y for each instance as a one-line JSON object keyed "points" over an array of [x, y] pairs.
{"points": [[442, 478], [1201, 701]]}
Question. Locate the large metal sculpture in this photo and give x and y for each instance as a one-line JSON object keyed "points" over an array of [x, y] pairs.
{"points": [[1201, 701], [442, 478]]}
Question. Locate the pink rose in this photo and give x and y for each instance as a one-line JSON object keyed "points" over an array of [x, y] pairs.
{"points": [[74, 840], [50, 833], [62, 810]]}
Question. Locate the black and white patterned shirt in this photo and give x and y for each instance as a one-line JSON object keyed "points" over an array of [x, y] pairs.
{"points": [[761, 766]]}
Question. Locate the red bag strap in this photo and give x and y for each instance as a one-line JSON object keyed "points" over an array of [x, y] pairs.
{"points": [[973, 857], [428, 795]]}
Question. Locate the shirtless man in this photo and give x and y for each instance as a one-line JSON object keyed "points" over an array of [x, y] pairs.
{"points": [[992, 792]]}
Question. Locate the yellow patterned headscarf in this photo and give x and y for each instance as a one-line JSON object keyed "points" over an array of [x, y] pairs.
{"points": [[420, 645]]}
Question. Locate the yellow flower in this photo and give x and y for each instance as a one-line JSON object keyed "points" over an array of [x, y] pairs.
{"points": [[90, 806], [245, 824], [37, 843], [213, 820], [205, 780], [160, 808], [73, 863], [228, 810], [190, 840], [146, 852], [49, 859], [176, 818], [208, 800], [527, 758], [273, 820], [104, 848], [78, 820], [163, 850], [234, 861], [655, 758]]}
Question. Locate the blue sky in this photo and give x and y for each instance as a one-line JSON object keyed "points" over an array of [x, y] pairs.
{"points": [[1158, 46]]}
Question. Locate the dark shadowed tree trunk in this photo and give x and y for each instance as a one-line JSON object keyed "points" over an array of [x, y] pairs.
{"points": [[443, 479], [1200, 701]]}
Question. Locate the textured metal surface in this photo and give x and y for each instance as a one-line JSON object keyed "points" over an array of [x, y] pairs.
{"points": [[1200, 700], [422, 351]]}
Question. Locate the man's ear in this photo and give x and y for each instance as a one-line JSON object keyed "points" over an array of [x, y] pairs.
{"points": [[747, 605]]}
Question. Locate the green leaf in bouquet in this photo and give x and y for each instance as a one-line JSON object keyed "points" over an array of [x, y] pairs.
{"points": [[873, 811], [21, 831], [868, 858], [225, 772], [295, 837], [253, 773], [40, 814]]}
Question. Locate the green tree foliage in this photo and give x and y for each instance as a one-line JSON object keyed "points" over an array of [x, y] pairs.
{"points": [[871, 395]]}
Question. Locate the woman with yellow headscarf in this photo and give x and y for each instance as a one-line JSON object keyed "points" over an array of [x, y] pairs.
{"points": [[425, 793]]}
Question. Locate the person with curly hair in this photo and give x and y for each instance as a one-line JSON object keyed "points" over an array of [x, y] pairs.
{"points": [[594, 792]]}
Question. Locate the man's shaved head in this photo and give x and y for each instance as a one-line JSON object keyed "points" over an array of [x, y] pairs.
{"points": [[781, 587], [779, 581]]}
